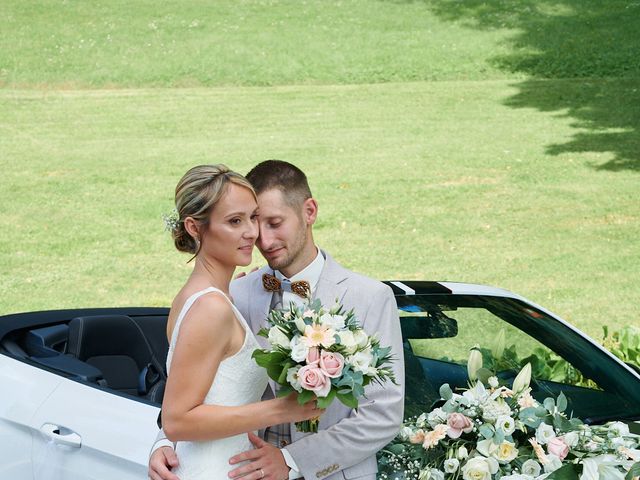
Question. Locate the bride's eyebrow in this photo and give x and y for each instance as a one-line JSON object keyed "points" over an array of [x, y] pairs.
{"points": [[235, 214]]}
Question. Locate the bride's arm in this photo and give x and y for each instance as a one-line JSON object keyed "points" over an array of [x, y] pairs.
{"points": [[203, 342]]}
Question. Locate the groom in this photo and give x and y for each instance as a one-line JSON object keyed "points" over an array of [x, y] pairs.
{"points": [[347, 441]]}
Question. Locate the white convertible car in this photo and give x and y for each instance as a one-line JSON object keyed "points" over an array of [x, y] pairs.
{"points": [[80, 390]]}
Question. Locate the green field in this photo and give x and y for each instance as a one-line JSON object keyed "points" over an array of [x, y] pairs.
{"points": [[494, 142]]}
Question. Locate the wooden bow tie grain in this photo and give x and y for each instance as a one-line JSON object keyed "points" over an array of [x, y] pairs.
{"points": [[272, 284]]}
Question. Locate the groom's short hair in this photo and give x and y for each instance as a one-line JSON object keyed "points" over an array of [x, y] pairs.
{"points": [[284, 176]]}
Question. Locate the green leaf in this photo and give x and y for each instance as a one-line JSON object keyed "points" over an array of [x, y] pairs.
{"points": [[284, 390], [445, 392], [486, 431], [396, 449], [349, 400], [549, 404], [483, 375], [324, 402], [561, 402], [305, 396], [282, 379], [566, 472], [634, 471]]}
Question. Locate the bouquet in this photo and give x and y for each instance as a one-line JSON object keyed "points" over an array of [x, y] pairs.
{"points": [[321, 353], [493, 432]]}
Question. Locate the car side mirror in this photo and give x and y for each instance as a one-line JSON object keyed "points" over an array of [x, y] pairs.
{"points": [[433, 325]]}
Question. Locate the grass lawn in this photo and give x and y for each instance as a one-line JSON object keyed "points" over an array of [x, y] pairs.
{"points": [[444, 140]]}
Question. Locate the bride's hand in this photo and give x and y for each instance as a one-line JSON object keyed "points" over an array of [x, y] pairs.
{"points": [[294, 412]]}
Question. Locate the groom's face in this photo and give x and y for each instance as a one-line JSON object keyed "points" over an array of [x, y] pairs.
{"points": [[283, 232]]}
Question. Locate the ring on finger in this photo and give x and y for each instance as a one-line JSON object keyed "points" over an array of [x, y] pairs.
{"points": [[261, 473]]}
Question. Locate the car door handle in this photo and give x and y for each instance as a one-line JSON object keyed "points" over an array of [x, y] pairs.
{"points": [[61, 435]]}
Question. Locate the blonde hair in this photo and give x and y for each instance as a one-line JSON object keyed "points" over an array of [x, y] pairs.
{"points": [[197, 193]]}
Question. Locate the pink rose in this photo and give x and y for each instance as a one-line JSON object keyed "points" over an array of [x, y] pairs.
{"points": [[331, 364], [556, 446], [312, 378], [457, 424], [313, 355]]}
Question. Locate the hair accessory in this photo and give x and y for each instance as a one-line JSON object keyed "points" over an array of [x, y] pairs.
{"points": [[171, 220]]}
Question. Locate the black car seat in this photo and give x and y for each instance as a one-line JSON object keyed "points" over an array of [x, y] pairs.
{"points": [[116, 345]]}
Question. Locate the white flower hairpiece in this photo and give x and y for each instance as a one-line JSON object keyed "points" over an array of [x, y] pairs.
{"points": [[171, 220]]}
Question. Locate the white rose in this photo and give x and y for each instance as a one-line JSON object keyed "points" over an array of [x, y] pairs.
{"points": [[405, 433], [437, 474], [516, 476], [553, 464], [348, 341], [300, 325], [544, 433], [292, 378], [571, 439], [436, 417], [451, 465], [278, 338], [531, 468], [361, 338], [505, 452], [424, 474], [299, 349], [619, 429], [476, 468], [506, 424], [361, 361], [421, 419]]}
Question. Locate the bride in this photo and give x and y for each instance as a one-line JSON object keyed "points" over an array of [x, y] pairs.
{"points": [[214, 387]]}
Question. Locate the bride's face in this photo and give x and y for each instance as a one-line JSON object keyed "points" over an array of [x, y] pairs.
{"points": [[232, 230]]}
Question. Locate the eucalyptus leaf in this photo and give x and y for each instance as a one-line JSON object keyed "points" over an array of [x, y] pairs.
{"points": [[549, 404], [561, 402], [486, 431], [634, 471], [445, 392]]}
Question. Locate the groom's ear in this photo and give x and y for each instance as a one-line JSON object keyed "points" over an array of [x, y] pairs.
{"points": [[310, 211]]}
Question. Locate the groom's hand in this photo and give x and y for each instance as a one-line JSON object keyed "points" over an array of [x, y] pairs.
{"points": [[161, 462], [265, 462]]}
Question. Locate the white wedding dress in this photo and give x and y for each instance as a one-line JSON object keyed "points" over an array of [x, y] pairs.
{"points": [[238, 381]]}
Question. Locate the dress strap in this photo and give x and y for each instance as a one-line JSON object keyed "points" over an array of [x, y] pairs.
{"points": [[189, 303]]}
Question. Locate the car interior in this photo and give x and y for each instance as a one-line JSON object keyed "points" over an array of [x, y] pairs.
{"points": [[124, 354]]}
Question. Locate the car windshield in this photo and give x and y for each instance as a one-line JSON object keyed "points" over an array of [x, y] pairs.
{"points": [[439, 331]]}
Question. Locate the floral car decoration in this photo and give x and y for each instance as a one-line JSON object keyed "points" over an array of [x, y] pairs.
{"points": [[492, 432]]}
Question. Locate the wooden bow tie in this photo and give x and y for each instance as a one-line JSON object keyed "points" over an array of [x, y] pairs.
{"points": [[272, 284]]}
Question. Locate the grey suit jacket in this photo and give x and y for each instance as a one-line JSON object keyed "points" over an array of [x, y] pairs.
{"points": [[347, 441]]}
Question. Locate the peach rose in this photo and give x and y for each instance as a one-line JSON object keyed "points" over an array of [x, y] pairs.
{"points": [[331, 364], [457, 424], [556, 446], [312, 378], [313, 355]]}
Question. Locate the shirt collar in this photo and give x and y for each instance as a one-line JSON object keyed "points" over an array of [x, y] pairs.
{"points": [[310, 273]]}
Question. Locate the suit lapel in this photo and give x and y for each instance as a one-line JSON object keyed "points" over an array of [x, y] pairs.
{"points": [[331, 286], [259, 303]]}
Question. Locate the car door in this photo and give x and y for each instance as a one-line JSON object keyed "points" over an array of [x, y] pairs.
{"points": [[90, 433], [23, 389]]}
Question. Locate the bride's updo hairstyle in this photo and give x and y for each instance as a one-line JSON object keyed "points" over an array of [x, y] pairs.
{"points": [[197, 193]]}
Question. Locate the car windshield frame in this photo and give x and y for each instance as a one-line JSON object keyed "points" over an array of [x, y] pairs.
{"points": [[611, 375]]}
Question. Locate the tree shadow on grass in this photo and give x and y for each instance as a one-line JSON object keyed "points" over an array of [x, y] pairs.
{"points": [[582, 59]]}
